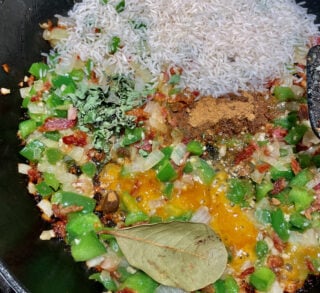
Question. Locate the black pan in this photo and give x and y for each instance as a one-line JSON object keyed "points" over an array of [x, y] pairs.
{"points": [[26, 263]]}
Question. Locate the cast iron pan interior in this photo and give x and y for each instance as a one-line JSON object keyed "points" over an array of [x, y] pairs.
{"points": [[27, 263]]}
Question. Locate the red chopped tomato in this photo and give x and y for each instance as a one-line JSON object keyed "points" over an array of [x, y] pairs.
{"points": [[262, 168], [245, 154], [54, 124], [79, 138], [295, 166], [246, 272]]}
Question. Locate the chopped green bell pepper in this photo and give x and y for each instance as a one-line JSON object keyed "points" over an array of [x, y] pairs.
{"points": [[39, 70], [44, 189], [89, 169], [33, 150], [195, 147], [87, 246], [279, 224], [67, 198], [301, 197], [299, 222], [166, 172], [140, 282], [283, 93], [132, 135], [26, 127], [261, 249], [262, 279], [295, 134], [53, 155]]}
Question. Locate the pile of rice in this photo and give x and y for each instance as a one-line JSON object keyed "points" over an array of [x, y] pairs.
{"points": [[222, 46]]}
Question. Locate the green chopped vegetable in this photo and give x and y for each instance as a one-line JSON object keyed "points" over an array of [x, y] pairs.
{"points": [[89, 168], [202, 169], [283, 93], [280, 225], [140, 282], [87, 246], [120, 6], [166, 172], [263, 189], [67, 198], [239, 190], [295, 134], [39, 70], [262, 279], [53, 155], [105, 279], [44, 189], [261, 248], [135, 217], [195, 147], [301, 197], [51, 180], [26, 127], [299, 222], [79, 224], [132, 135], [33, 150]]}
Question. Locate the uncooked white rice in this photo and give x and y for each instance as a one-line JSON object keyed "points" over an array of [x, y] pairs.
{"points": [[222, 46]]}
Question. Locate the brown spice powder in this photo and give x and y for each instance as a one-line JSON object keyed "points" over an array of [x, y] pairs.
{"points": [[209, 110]]}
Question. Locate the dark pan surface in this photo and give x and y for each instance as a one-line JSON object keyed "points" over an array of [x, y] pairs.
{"points": [[27, 263]]}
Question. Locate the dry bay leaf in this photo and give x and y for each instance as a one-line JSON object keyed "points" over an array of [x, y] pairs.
{"points": [[185, 255]]}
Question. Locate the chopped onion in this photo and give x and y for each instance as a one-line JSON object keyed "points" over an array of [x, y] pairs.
{"points": [[313, 182], [141, 164], [47, 235], [94, 261], [178, 153], [23, 168], [46, 207], [201, 215]]}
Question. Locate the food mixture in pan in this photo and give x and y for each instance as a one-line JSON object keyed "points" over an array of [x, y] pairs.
{"points": [[168, 144]]}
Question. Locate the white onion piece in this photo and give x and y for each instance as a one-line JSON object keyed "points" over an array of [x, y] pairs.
{"points": [[94, 261], [178, 153], [313, 182], [47, 235], [23, 168], [167, 289], [141, 164], [201, 215], [46, 207]]}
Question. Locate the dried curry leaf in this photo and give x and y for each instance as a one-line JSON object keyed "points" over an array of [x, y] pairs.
{"points": [[185, 255]]}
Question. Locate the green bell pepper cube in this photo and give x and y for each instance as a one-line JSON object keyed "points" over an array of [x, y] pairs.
{"points": [[262, 279], [51, 180], [316, 160], [188, 168], [302, 178], [132, 135], [228, 285], [263, 189], [129, 202], [277, 174], [53, 135], [89, 168], [305, 160], [67, 198], [39, 70], [280, 225], [299, 222], [239, 190], [295, 134], [140, 282], [301, 197], [44, 189], [219, 286], [202, 169], [168, 189], [283, 93], [54, 101], [33, 150], [105, 280], [135, 217], [65, 83], [26, 127], [53, 155], [79, 224], [166, 172], [261, 249], [195, 147], [87, 246], [288, 121]]}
